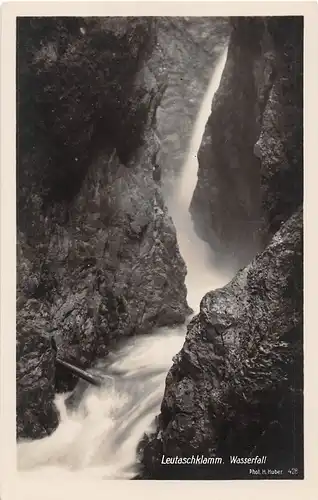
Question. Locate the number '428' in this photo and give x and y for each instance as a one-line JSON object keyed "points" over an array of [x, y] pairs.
{"points": [[292, 471]]}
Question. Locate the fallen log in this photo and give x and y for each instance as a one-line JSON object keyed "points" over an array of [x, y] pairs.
{"points": [[75, 370], [78, 372]]}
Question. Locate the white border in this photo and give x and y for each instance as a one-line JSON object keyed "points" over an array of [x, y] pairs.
{"points": [[11, 487]]}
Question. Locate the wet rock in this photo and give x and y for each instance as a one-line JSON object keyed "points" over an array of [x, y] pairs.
{"points": [[36, 414], [235, 388]]}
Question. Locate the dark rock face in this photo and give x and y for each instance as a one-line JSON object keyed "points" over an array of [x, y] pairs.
{"points": [[281, 139], [235, 388], [250, 160], [98, 258]]}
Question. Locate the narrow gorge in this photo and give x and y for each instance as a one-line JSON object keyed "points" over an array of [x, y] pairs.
{"points": [[160, 185]]}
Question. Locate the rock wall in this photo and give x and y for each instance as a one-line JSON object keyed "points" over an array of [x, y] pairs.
{"points": [[98, 258], [236, 387], [250, 160]]}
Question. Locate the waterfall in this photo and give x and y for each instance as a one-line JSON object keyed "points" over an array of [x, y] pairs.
{"points": [[202, 274], [98, 438]]}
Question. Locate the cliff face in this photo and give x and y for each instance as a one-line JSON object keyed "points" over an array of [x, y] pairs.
{"points": [[250, 160], [97, 252], [236, 387]]}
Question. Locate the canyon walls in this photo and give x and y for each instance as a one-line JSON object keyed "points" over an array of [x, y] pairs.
{"points": [[103, 113], [236, 387]]}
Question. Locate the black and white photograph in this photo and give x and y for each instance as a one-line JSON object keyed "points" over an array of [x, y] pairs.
{"points": [[159, 247]]}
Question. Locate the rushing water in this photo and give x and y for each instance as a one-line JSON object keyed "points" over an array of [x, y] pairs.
{"points": [[98, 438]]}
